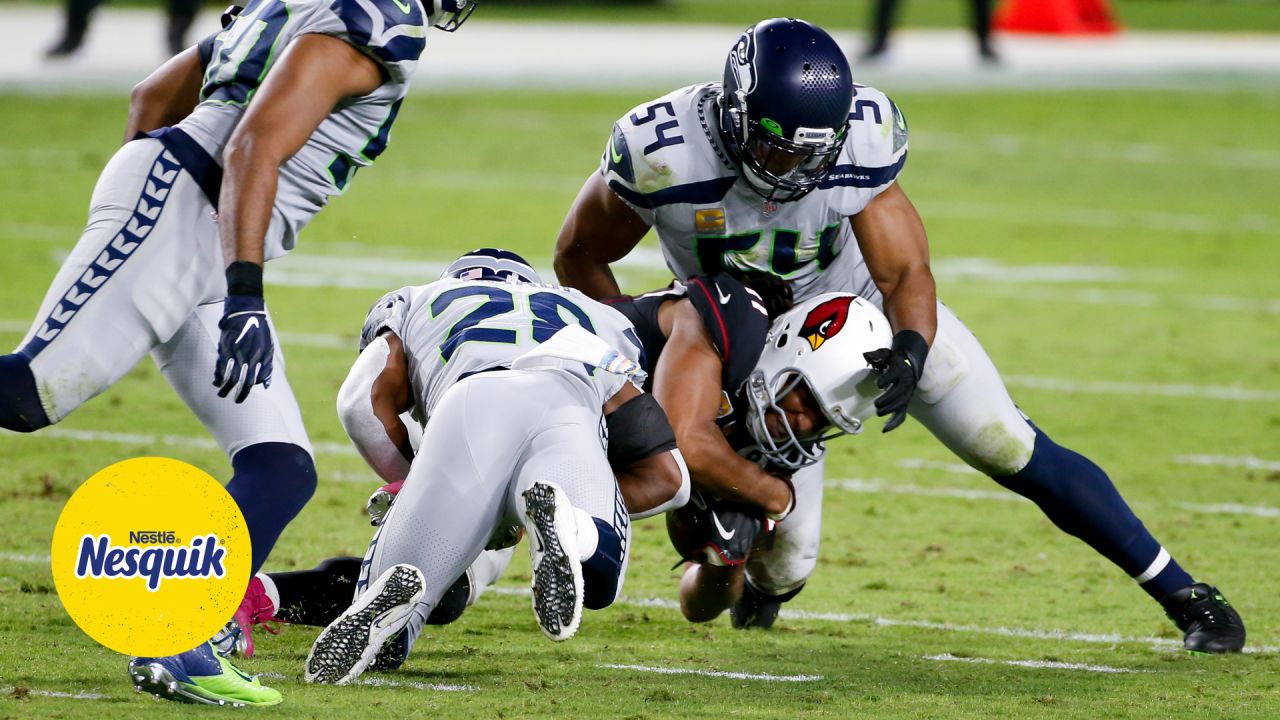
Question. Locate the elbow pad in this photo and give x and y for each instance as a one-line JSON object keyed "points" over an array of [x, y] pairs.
{"points": [[637, 430]]}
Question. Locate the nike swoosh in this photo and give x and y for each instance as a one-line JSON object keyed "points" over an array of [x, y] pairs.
{"points": [[406, 7], [724, 298], [726, 534], [253, 323], [617, 156]]}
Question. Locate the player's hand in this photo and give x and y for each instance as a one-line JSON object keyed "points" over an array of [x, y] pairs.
{"points": [[245, 350], [899, 367], [379, 503]]}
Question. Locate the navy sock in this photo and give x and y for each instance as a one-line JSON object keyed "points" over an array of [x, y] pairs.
{"points": [[600, 571], [272, 482], [20, 406], [1082, 501]]}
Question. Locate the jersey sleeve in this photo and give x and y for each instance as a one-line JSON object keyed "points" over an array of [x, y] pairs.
{"points": [[874, 153], [388, 313], [391, 32], [736, 321], [619, 170]]}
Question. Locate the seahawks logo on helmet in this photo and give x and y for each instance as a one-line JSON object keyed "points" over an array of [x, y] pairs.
{"points": [[744, 55]]}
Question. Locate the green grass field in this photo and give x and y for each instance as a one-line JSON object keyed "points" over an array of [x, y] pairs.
{"points": [[1115, 251]]}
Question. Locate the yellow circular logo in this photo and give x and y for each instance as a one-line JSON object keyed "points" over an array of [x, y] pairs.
{"points": [[151, 556]]}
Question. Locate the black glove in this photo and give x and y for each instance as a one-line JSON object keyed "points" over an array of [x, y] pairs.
{"points": [[714, 531], [246, 349], [900, 367]]}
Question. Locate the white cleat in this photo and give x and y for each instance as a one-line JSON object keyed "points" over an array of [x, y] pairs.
{"points": [[552, 526], [346, 648]]}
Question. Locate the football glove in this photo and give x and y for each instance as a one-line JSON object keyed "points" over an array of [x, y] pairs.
{"points": [[379, 503], [899, 367], [246, 349], [720, 533]]}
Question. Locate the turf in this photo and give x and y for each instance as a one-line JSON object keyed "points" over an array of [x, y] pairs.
{"points": [[1087, 237]]}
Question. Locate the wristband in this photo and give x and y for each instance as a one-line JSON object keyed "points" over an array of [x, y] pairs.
{"points": [[791, 504], [913, 345], [244, 278]]}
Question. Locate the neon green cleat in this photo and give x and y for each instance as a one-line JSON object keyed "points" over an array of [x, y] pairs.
{"points": [[200, 676]]}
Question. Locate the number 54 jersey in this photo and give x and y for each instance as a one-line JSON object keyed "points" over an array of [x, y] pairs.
{"points": [[667, 160], [452, 329], [390, 32]]}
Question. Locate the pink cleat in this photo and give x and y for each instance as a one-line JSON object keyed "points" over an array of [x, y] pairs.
{"points": [[257, 608]]}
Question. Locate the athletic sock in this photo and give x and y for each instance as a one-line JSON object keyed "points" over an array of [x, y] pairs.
{"points": [[1082, 501], [317, 596], [20, 406], [271, 483]]}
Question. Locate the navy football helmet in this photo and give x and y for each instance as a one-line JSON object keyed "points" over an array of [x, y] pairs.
{"points": [[785, 107], [448, 15], [494, 265]]}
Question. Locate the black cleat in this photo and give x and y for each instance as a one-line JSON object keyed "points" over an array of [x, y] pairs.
{"points": [[1209, 623], [754, 610]]}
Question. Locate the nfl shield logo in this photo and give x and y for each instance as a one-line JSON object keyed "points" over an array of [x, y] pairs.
{"points": [[770, 207]]}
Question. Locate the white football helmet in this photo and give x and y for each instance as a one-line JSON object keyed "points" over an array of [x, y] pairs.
{"points": [[819, 342], [448, 15]]}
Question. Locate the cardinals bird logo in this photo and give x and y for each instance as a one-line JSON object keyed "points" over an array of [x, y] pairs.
{"points": [[824, 321]]}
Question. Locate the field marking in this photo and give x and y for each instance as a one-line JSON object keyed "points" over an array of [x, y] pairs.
{"points": [[951, 467], [1025, 633], [1248, 462], [200, 443], [1123, 298], [57, 694], [1040, 664], [1101, 218], [383, 682], [1144, 153], [712, 673], [24, 558], [1171, 390], [875, 486]]}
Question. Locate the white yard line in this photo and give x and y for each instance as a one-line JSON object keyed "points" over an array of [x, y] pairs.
{"points": [[1041, 664], [1027, 633], [1180, 390], [58, 694], [24, 558], [950, 467], [1246, 462], [712, 673]]}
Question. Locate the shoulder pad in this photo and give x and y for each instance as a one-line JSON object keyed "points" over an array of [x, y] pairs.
{"points": [[658, 154], [390, 31], [876, 147], [736, 321], [386, 314]]}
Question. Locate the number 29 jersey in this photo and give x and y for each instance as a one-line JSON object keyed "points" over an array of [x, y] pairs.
{"points": [[667, 161], [390, 32], [452, 329]]}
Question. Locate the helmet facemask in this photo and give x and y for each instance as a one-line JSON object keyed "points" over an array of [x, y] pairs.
{"points": [[792, 451], [448, 15], [782, 170]]}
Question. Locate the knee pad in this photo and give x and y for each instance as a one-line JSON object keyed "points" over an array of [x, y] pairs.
{"points": [[20, 406], [602, 572]]}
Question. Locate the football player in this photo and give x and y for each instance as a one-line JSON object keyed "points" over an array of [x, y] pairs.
{"points": [[236, 158], [511, 380], [787, 166]]}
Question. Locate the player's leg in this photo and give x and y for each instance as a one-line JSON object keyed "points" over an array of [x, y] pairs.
{"points": [[779, 567], [274, 474], [963, 402], [454, 497], [148, 254]]}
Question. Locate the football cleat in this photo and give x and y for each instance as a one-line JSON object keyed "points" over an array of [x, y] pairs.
{"points": [[754, 609], [199, 676], [351, 642], [255, 609], [379, 503], [1208, 622], [552, 526]]}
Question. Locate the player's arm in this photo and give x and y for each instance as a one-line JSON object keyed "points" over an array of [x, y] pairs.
{"points": [[892, 239], [687, 384], [599, 229], [312, 76], [167, 95], [651, 472], [372, 398]]}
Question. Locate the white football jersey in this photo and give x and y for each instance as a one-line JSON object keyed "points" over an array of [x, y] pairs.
{"points": [[455, 328], [391, 32], [667, 161]]}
